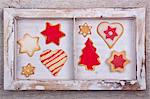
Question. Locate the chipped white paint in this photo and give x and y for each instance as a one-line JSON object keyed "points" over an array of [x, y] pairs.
{"points": [[122, 83], [40, 87], [11, 83]]}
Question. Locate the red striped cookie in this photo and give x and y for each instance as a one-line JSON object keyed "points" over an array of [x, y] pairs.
{"points": [[54, 60]]}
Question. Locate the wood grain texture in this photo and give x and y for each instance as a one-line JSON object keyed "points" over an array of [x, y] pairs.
{"points": [[76, 94]]}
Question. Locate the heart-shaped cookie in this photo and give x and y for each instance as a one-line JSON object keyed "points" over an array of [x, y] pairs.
{"points": [[110, 32], [53, 60]]}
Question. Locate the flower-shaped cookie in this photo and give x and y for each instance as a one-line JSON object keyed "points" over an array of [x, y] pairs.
{"points": [[28, 70], [85, 29]]}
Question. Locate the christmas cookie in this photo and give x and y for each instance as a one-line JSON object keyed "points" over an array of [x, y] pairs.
{"points": [[28, 70], [118, 61], [52, 33], [85, 29], [89, 57], [53, 60], [28, 44], [110, 32]]}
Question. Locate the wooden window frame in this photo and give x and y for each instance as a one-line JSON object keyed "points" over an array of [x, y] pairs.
{"points": [[11, 83]]}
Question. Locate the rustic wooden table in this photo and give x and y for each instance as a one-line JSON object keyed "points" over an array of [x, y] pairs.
{"points": [[75, 94]]}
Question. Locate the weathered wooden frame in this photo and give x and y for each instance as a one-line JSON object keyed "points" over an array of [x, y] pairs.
{"points": [[11, 83]]}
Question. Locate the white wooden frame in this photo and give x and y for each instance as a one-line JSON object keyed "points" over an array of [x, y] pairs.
{"points": [[11, 83]]}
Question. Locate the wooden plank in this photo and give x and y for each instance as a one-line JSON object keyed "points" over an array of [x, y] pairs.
{"points": [[69, 13]]}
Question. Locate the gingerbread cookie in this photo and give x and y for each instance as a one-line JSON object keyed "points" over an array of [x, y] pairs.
{"points": [[53, 60], [28, 70], [117, 61], [89, 58], [85, 29], [29, 44], [110, 32], [52, 33]]}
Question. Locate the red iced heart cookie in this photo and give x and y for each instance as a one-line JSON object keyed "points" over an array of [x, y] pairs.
{"points": [[53, 60], [110, 32]]}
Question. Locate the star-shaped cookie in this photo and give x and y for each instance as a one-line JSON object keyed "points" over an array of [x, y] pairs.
{"points": [[52, 33], [110, 33], [29, 44], [117, 61], [28, 70], [85, 29]]}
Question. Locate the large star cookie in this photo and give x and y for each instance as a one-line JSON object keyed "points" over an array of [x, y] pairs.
{"points": [[28, 70], [52, 33], [29, 44], [118, 61], [85, 29]]}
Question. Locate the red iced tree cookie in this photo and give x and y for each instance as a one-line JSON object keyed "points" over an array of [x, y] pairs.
{"points": [[89, 57], [52, 33], [118, 61]]}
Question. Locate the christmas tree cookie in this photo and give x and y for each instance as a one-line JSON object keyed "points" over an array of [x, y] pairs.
{"points": [[118, 61], [89, 57], [85, 29], [110, 32], [52, 33], [53, 60]]}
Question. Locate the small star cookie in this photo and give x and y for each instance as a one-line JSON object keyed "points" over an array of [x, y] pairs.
{"points": [[28, 70], [117, 61], [85, 29], [28, 44]]}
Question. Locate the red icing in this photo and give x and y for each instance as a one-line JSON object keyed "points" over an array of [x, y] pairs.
{"points": [[118, 61], [110, 30], [52, 33], [89, 57]]}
